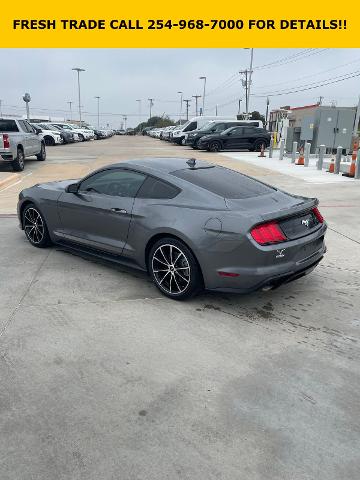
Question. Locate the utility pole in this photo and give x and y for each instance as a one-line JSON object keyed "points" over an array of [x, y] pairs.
{"points": [[125, 118], [250, 75], [187, 108], [0, 108], [357, 118], [245, 84], [181, 101], [196, 103], [216, 110], [139, 103], [70, 103], [267, 112], [204, 89], [151, 103], [78, 70], [98, 110]]}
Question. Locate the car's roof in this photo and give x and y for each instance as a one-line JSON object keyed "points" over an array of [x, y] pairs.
{"points": [[160, 164]]}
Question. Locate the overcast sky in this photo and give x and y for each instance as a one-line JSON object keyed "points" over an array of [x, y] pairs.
{"points": [[121, 76]]}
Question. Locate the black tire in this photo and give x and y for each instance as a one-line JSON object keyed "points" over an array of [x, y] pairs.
{"points": [[35, 227], [42, 155], [257, 145], [214, 146], [82, 138], [18, 164], [49, 141], [180, 278]]}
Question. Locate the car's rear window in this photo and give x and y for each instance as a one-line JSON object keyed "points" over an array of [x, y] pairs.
{"points": [[224, 182], [8, 126]]}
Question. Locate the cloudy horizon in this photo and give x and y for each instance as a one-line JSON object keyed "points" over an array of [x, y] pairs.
{"points": [[123, 76]]}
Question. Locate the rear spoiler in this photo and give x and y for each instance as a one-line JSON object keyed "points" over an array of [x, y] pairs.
{"points": [[306, 205]]}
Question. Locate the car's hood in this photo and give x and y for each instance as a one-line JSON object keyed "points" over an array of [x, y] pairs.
{"points": [[209, 135], [59, 185]]}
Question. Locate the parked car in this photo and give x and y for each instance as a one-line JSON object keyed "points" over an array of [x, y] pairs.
{"points": [[215, 126], [189, 223], [130, 131], [83, 133], [18, 141], [67, 135], [50, 137], [180, 133], [236, 138], [120, 131]]}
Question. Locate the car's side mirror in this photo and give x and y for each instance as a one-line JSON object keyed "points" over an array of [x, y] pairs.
{"points": [[72, 188]]}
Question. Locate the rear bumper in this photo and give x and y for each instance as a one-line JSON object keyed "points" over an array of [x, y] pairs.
{"points": [[268, 269]]}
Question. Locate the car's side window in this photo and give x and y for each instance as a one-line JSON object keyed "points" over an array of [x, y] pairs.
{"points": [[23, 126], [155, 188], [114, 182], [29, 128], [219, 127], [237, 131]]}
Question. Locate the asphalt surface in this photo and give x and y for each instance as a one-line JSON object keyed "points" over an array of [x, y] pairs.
{"points": [[104, 378]]}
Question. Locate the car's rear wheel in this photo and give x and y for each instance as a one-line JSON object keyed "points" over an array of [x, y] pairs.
{"points": [[174, 269], [81, 138], [42, 155], [18, 164], [35, 227], [214, 146], [258, 145]]}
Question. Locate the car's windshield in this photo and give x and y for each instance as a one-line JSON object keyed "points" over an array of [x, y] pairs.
{"points": [[54, 127], [206, 126], [225, 132]]}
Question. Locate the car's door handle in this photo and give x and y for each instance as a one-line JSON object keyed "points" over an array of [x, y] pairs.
{"points": [[119, 210]]}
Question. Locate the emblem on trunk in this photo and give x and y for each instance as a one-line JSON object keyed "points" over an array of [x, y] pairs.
{"points": [[280, 253], [305, 222]]}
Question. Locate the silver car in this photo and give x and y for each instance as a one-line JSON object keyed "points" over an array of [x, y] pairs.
{"points": [[189, 223], [19, 140]]}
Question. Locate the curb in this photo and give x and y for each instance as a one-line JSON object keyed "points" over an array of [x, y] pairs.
{"points": [[5, 182]]}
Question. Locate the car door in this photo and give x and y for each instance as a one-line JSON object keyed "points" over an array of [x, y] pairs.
{"points": [[33, 139], [99, 214], [26, 141], [232, 138]]}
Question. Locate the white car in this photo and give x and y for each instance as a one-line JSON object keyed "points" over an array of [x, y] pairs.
{"points": [[83, 133], [50, 137]]}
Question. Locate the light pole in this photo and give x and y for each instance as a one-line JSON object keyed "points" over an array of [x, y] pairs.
{"points": [[151, 103], [196, 103], [70, 103], [125, 118], [78, 70], [181, 101], [98, 110], [204, 89], [239, 111], [139, 104], [0, 108]]}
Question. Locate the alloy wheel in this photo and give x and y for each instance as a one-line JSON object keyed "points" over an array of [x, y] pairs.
{"points": [[34, 225], [171, 269]]}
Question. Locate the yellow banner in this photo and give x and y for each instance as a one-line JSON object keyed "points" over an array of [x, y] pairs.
{"points": [[171, 24]]}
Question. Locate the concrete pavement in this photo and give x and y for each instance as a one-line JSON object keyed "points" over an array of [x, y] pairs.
{"points": [[104, 378]]}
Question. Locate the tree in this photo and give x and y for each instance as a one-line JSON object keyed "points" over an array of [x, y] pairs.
{"points": [[155, 122], [255, 115]]}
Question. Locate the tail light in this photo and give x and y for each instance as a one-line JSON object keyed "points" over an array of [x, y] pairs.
{"points": [[318, 215], [268, 233], [6, 140]]}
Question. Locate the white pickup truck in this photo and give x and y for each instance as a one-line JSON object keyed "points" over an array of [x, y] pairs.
{"points": [[19, 140]]}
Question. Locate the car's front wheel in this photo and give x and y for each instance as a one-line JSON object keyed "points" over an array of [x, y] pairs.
{"points": [[214, 146], [259, 145], [174, 269], [35, 227]]}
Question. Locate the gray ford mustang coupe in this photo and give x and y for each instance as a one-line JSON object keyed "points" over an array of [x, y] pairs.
{"points": [[190, 224]]}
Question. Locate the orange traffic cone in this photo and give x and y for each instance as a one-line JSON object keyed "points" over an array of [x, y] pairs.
{"points": [[301, 160], [352, 168], [262, 151], [332, 166]]}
